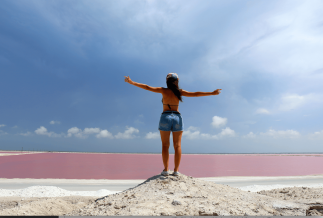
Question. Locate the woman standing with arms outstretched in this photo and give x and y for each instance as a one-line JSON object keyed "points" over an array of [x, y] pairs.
{"points": [[171, 120]]}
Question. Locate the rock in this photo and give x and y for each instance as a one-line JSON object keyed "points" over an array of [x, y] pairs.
{"points": [[176, 202], [179, 213], [315, 210]]}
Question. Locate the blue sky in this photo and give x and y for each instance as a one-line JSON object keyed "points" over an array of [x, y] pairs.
{"points": [[63, 65]]}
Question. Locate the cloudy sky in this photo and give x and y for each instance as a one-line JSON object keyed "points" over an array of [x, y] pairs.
{"points": [[62, 68]]}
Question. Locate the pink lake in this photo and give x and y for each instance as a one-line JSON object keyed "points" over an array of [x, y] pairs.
{"points": [[143, 166]]}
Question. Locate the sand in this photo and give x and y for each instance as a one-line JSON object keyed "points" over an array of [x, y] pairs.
{"points": [[175, 196], [11, 154]]}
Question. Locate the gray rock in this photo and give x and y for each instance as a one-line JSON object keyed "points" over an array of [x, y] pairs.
{"points": [[176, 202], [179, 213]]}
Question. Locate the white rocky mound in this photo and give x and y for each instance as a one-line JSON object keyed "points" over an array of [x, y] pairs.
{"points": [[188, 196]]}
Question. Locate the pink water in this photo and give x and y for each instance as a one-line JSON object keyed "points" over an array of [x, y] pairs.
{"points": [[143, 166]]}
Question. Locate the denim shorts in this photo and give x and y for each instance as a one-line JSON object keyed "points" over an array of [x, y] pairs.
{"points": [[170, 121]]}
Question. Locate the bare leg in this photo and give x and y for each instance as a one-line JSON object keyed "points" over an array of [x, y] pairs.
{"points": [[165, 142], [177, 139]]}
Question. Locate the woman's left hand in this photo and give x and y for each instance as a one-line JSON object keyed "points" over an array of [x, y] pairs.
{"points": [[127, 80], [216, 92]]}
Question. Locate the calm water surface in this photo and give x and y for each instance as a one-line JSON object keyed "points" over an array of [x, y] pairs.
{"points": [[143, 166]]}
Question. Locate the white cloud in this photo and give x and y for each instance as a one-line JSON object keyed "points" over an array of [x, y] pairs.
{"points": [[75, 131], [192, 128], [128, 134], [26, 134], [2, 125], [208, 136], [152, 135], [3, 133], [54, 122], [277, 134], [43, 131], [104, 134], [281, 133], [250, 135], [193, 133], [262, 111], [227, 132], [14, 127], [290, 102], [319, 133], [219, 121], [139, 119], [88, 131], [316, 135], [91, 130]]}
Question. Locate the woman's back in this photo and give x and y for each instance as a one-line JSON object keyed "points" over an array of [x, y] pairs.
{"points": [[169, 98]]}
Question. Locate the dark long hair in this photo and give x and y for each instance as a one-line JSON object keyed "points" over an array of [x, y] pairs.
{"points": [[174, 88]]}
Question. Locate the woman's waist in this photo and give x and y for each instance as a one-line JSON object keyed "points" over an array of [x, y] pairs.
{"points": [[169, 112]]}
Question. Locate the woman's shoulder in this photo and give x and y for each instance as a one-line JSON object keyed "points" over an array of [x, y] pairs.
{"points": [[167, 90], [164, 90]]}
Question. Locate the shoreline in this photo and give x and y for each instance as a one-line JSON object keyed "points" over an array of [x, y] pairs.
{"points": [[219, 178], [246, 182], [95, 188], [287, 153]]}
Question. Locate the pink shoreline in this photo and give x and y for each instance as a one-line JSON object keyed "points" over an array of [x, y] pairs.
{"points": [[72, 152]]}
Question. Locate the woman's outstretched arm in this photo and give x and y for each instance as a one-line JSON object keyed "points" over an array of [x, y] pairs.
{"points": [[143, 86], [199, 94]]}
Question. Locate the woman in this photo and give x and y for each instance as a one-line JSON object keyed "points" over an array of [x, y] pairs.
{"points": [[171, 119]]}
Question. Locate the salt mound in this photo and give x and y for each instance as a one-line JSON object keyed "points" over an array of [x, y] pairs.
{"points": [[51, 191], [188, 196], [258, 188]]}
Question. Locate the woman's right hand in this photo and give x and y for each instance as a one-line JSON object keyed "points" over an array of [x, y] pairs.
{"points": [[127, 80], [216, 92]]}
